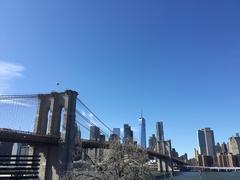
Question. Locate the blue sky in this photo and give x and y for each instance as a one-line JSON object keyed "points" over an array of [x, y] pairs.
{"points": [[176, 60]]}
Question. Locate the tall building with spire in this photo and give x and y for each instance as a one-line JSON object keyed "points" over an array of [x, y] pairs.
{"points": [[142, 126]]}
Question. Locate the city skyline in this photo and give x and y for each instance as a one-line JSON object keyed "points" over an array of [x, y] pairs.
{"points": [[176, 61], [57, 144]]}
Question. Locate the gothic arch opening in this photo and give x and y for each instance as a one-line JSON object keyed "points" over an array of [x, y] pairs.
{"points": [[62, 124], [49, 115]]}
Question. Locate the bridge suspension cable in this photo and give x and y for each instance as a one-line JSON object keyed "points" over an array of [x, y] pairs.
{"points": [[89, 122], [18, 111], [95, 115], [83, 126], [2, 97]]}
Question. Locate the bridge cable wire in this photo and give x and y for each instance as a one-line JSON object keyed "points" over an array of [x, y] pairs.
{"points": [[83, 126], [89, 122], [8, 97], [95, 115], [15, 111], [85, 119]]}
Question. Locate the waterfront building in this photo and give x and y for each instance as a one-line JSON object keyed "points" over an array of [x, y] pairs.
{"points": [[206, 142], [174, 153], [201, 142], [196, 153], [159, 131], [232, 160], [193, 162], [94, 133], [116, 131], [152, 142], [222, 160], [224, 148], [128, 134], [234, 144], [184, 157], [205, 161], [210, 142], [142, 138], [218, 148], [226, 160]]}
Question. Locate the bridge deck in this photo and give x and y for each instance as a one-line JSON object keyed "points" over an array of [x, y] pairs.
{"points": [[95, 144], [27, 137], [31, 138]]}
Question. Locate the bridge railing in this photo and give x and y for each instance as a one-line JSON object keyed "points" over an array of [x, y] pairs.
{"points": [[19, 167]]}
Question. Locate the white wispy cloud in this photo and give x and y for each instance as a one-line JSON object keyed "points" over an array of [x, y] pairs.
{"points": [[8, 72]]}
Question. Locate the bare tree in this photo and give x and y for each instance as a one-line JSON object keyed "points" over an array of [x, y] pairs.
{"points": [[122, 162]]}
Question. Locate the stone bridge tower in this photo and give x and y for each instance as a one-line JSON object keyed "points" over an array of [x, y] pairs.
{"points": [[56, 117]]}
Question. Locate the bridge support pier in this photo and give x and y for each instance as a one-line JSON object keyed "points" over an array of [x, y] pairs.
{"points": [[164, 147], [159, 165], [164, 165], [96, 154], [169, 166], [42, 151], [59, 109]]}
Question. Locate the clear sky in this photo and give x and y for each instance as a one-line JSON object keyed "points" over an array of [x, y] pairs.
{"points": [[179, 61]]}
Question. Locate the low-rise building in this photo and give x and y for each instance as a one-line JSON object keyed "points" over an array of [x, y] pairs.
{"points": [[226, 160], [205, 161]]}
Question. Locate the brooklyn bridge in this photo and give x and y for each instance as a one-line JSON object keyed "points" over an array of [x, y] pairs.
{"points": [[53, 133]]}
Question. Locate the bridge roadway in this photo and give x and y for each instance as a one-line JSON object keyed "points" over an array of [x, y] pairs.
{"points": [[95, 144], [10, 135]]}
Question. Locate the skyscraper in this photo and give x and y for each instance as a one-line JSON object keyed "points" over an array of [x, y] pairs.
{"points": [[234, 145], [210, 142], [128, 134], [159, 131], [142, 138], [224, 148], [102, 138], [206, 142], [201, 142], [218, 148], [94, 133], [116, 131]]}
